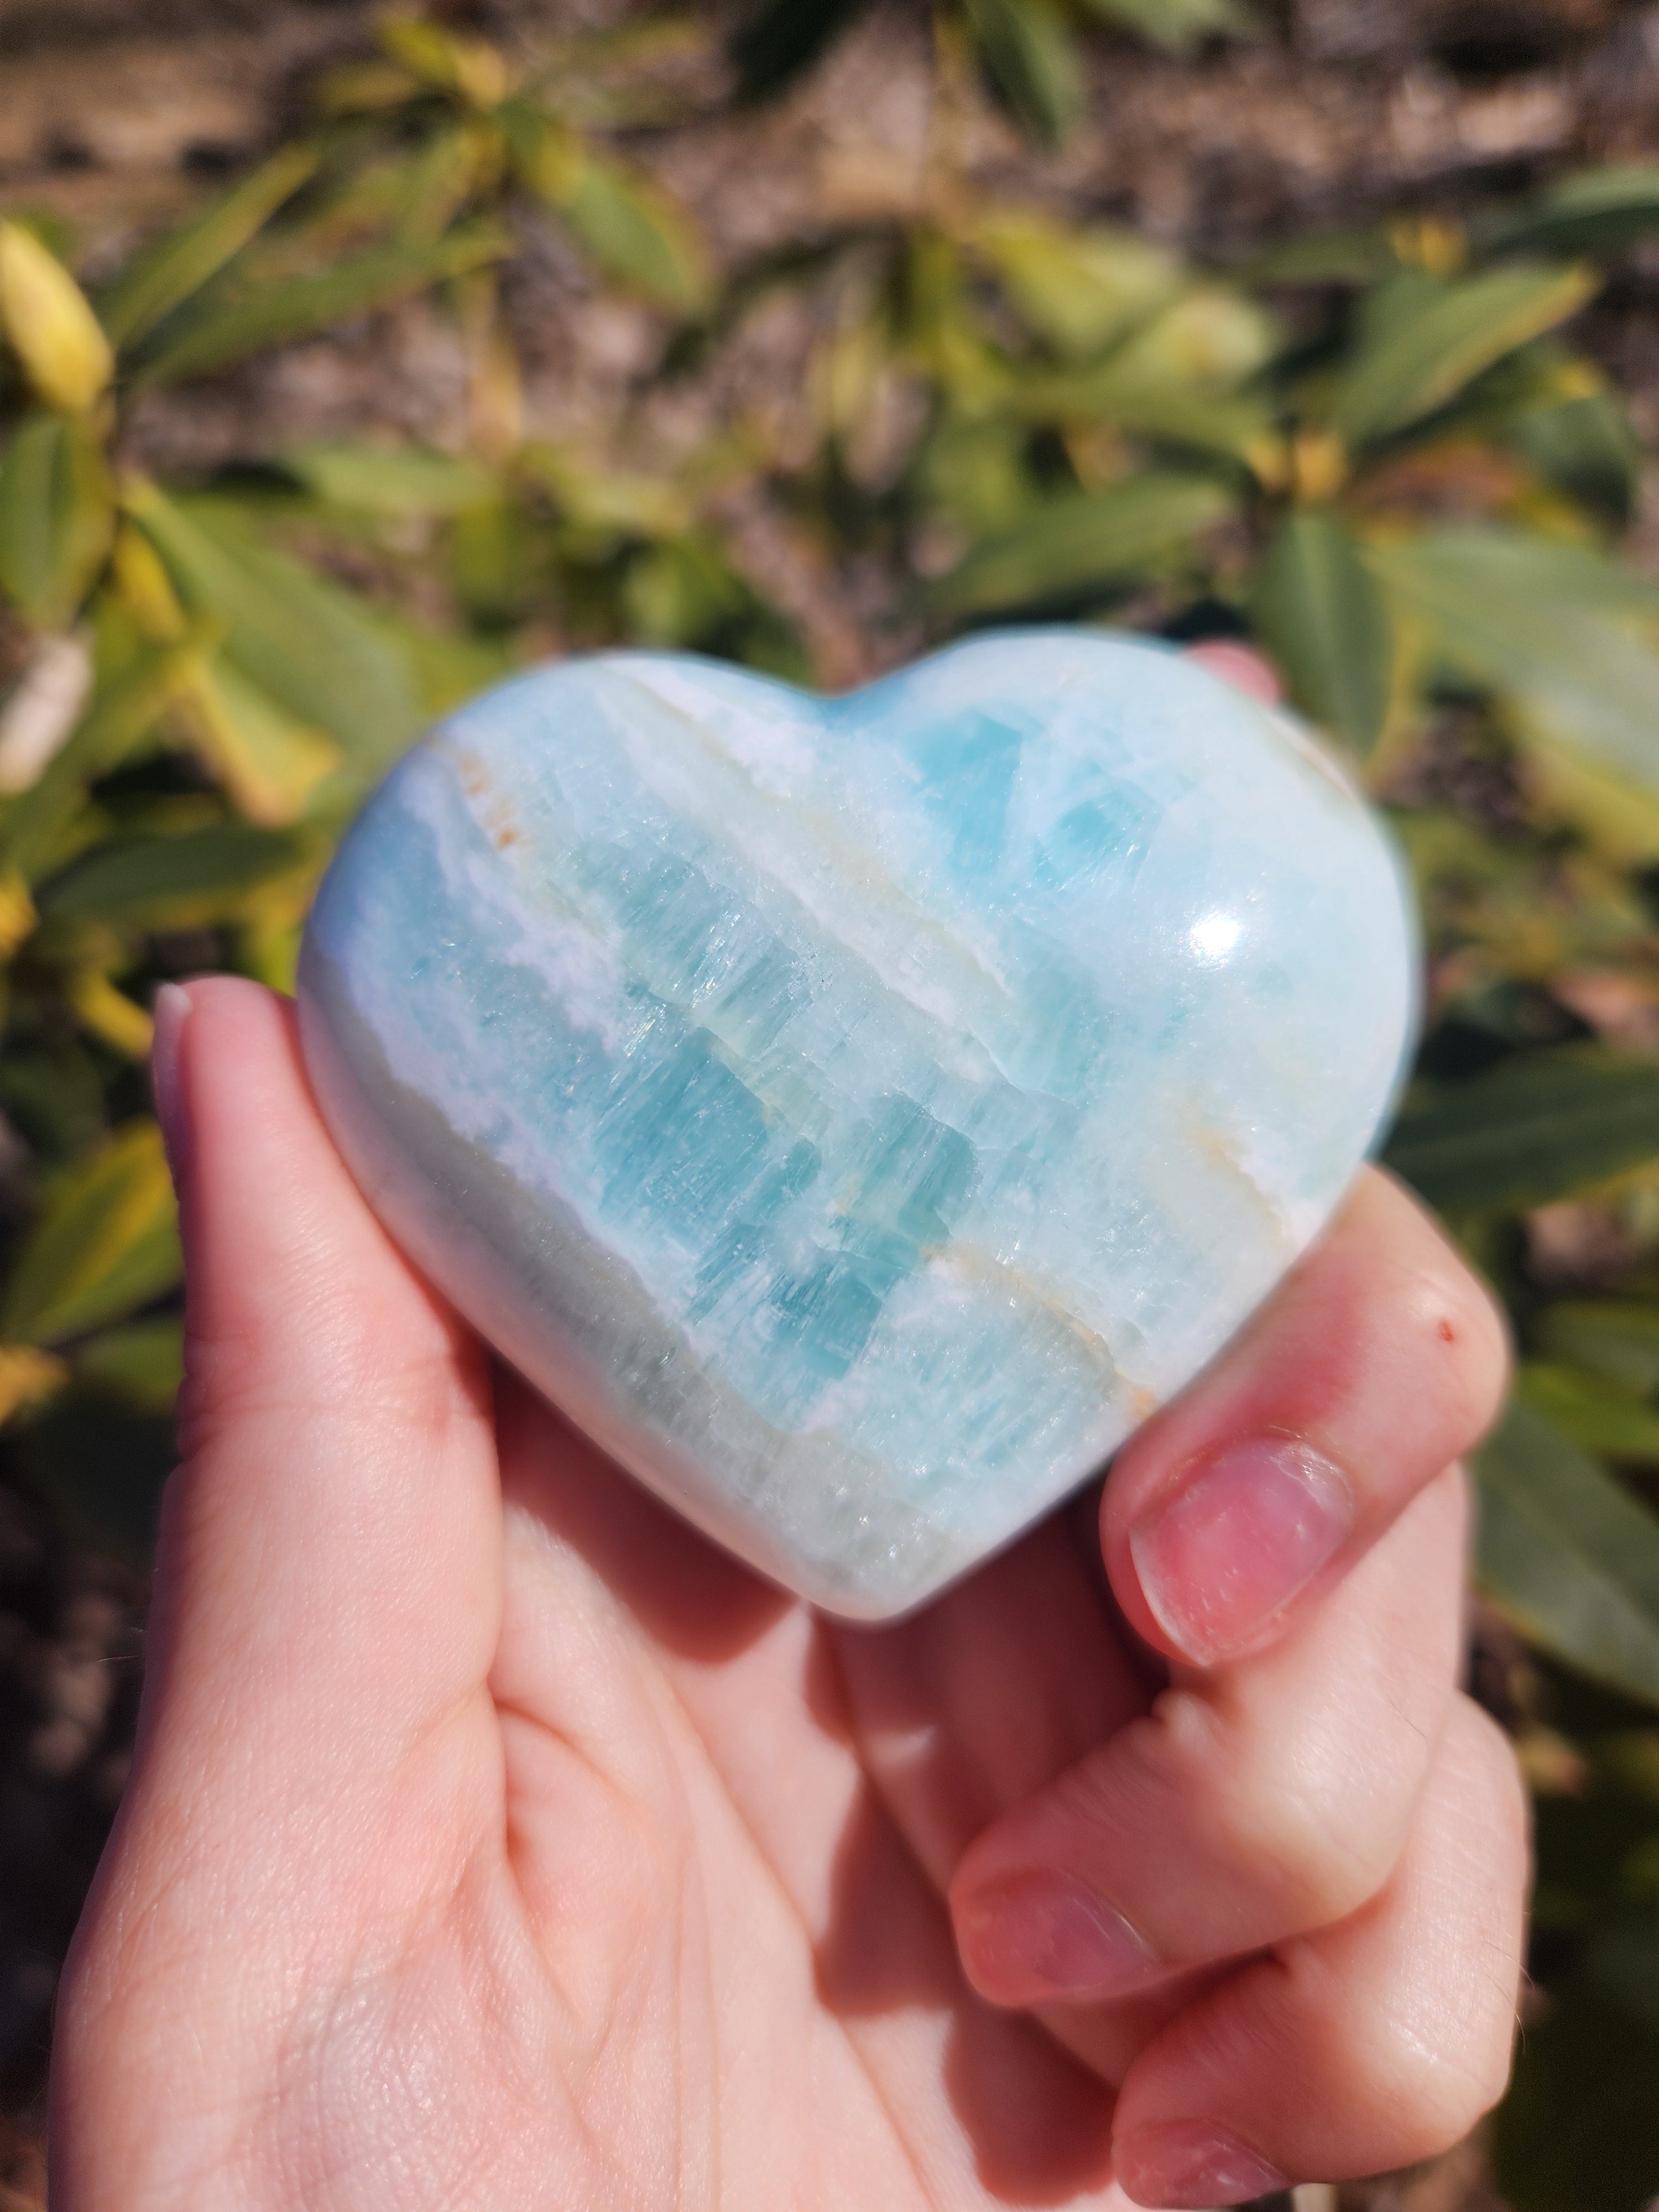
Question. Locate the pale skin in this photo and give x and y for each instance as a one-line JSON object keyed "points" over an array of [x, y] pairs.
{"points": [[494, 1841]]}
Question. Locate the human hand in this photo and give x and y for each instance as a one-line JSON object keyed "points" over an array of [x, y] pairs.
{"points": [[492, 1841]]}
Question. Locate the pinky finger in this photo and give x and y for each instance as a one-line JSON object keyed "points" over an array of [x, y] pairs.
{"points": [[1374, 2044]]}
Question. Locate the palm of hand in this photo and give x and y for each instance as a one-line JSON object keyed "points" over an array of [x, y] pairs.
{"points": [[492, 1841]]}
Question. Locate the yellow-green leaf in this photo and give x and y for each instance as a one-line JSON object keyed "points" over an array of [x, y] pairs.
{"points": [[106, 1244], [396, 481], [1595, 1414], [1537, 1128], [56, 517], [143, 1362], [1084, 542], [635, 231], [54, 333], [1077, 288], [1443, 335], [217, 333], [1178, 26], [195, 880], [1325, 623], [1616, 1340], [175, 267], [1569, 1553]]}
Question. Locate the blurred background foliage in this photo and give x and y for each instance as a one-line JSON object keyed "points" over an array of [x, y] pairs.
{"points": [[1385, 452]]}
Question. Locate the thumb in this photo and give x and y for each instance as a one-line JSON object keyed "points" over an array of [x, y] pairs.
{"points": [[328, 1571]]}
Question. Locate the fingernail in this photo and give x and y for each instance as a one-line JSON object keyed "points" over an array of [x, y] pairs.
{"points": [[1185, 2162], [169, 1012], [1039, 1937], [1229, 1547]]}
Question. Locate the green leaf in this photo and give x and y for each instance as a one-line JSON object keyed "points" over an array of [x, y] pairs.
{"points": [[305, 643], [1579, 2129], [1328, 257], [1554, 629], [1538, 1128], [407, 481], [143, 1362], [122, 709], [1594, 1413], [1033, 67], [1083, 543], [1599, 211], [107, 1244], [165, 276], [191, 881], [222, 332], [1212, 338], [635, 231], [1324, 621], [56, 517], [1424, 354], [782, 40], [1077, 288], [1569, 1553], [1584, 445], [1616, 1340], [1178, 26]]}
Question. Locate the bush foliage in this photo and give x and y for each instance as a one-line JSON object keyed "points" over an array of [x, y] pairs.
{"points": [[1380, 453]]}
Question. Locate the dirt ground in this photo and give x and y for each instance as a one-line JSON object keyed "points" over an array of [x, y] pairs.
{"points": [[116, 113]]}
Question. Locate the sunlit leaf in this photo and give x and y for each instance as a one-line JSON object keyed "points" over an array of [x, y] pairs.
{"points": [[1077, 288], [1569, 1553], [408, 480], [1212, 337], [1555, 629], [106, 1244], [52, 331], [1537, 1128], [56, 517], [188, 882], [277, 314], [1327, 625], [607, 503], [163, 278], [1032, 64], [678, 592], [635, 231], [303, 642], [1083, 542], [446, 60], [1445, 335], [1599, 211], [1595, 1413]]}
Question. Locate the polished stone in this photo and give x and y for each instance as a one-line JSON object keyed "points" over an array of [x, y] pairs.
{"points": [[859, 1115]]}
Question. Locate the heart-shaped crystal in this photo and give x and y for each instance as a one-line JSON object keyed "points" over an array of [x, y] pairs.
{"points": [[859, 1115]]}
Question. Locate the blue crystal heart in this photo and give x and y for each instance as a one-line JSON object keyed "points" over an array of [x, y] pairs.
{"points": [[859, 1115]]}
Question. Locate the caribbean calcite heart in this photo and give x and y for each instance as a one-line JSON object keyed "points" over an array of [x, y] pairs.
{"points": [[859, 1115]]}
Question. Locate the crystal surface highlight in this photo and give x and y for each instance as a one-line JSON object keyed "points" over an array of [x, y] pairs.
{"points": [[859, 1114]]}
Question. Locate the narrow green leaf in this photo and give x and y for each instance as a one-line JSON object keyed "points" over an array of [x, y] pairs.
{"points": [[191, 881], [1178, 26], [1536, 1129], [122, 711], [1599, 211], [107, 1244], [1569, 1553], [1423, 356], [306, 643], [224, 332], [401, 481], [783, 39], [1616, 1340], [1077, 288], [1595, 1414], [1586, 446], [1028, 55], [1323, 619], [635, 231], [1082, 543], [143, 1362], [1555, 631], [165, 276], [56, 517]]}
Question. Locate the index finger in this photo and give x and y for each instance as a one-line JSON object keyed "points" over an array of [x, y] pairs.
{"points": [[1379, 1360]]}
